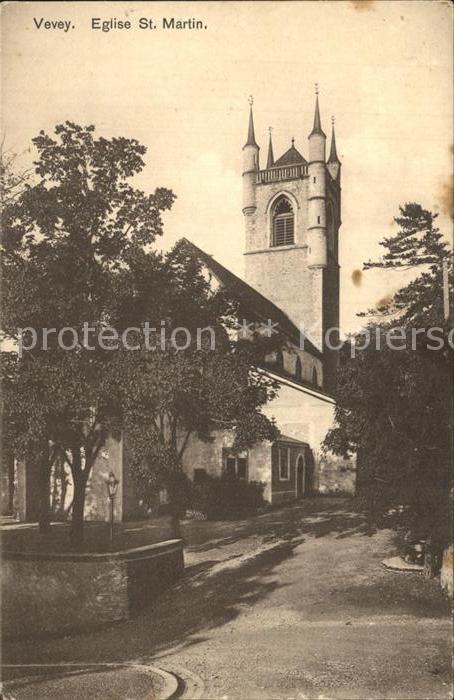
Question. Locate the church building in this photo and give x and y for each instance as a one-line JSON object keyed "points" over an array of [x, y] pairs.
{"points": [[292, 216]]}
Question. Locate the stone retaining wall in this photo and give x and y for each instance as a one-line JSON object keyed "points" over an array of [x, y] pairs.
{"points": [[57, 593]]}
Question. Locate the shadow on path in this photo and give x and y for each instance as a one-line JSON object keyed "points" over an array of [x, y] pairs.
{"points": [[313, 516], [205, 598]]}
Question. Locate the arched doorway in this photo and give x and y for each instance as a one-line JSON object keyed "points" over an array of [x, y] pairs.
{"points": [[300, 477]]}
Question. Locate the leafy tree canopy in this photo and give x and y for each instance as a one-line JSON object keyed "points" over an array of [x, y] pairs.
{"points": [[77, 250], [394, 406], [67, 237], [418, 244], [175, 393]]}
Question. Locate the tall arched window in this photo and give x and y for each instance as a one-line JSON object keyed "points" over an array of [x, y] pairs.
{"points": [[279, 359], [314, 377], [298, 370], [283, 223]]}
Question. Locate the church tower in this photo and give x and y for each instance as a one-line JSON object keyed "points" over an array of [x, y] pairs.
{"points": [[292, 211]]}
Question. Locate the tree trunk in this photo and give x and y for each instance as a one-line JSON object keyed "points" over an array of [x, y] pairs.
{"points": [[78, 504], [44, 467], [81, 471], [64, 488], [432, 557], [78, 507], [177, 495]]}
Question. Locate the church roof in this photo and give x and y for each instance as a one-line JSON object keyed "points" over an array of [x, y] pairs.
{"points": [[292, 441], [290, 157], [251, 300]]}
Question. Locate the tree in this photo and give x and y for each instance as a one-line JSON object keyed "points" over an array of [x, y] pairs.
{"points": [[12, 181], [196, 385], [394, 407], [66, 239], [419, 245], [77, 251]]}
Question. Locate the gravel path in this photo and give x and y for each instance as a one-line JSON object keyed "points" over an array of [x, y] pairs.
{"points": [[292, 604]]}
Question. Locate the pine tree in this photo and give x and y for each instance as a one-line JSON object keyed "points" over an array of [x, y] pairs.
{"points": [[394, 407]]}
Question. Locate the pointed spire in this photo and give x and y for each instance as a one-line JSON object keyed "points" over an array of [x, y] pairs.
{"points": [[333, 152], [317, 121], [251, 134], [270, 160]]}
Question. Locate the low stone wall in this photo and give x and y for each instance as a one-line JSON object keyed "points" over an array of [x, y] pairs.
{"points": [[56, 593]]}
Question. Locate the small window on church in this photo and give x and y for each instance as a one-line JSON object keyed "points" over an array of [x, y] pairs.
{"points": [[279, 359], [314, 377], [241, 468], [284, 463], [230, 466], [298, 370], [283, 223], [236, 466]]}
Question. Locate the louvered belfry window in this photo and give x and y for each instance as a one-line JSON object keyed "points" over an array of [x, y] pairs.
{"points": [[283, 223]]}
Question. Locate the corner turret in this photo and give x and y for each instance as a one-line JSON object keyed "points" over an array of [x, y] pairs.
{"points": [[317, 193], [250, 165]]}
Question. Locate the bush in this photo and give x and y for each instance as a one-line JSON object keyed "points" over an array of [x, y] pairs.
{"points": [[226, 496]]}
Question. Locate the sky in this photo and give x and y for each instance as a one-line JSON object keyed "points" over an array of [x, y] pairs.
{"points": [[384, 70]]}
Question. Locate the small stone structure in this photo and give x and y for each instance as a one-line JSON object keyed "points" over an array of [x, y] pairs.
{"points": [[45, 593]]}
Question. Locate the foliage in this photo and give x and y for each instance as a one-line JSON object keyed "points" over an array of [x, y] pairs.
{"points": [[67, 238], [394, 407], [80, 221], [226, 496], [169, 395], [418, 244], [12, 181], [76, 250]]}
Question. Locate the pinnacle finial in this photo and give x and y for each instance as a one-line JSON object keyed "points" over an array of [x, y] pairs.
{"points": [[333, 158], [270, 159], [293, 141], [317, 129], [333, 119], [250, 134]]}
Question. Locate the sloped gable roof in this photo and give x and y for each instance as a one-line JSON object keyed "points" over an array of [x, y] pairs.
{"points": [[292, 441], [290, 157], [251, 300]]}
